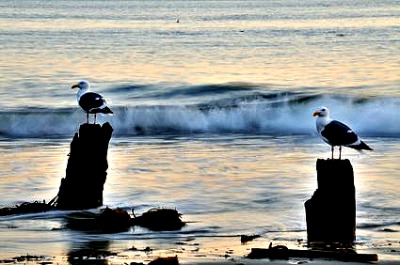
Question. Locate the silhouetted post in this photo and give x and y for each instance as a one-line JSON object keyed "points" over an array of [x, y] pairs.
{"points": [[82, 187], [331, 211]]}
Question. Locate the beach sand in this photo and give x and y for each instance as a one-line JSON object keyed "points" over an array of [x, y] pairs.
{"points": [[203, 251]]}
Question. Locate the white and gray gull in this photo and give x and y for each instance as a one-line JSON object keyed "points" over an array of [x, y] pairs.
{"points": [[90, 102], [336, 133]]}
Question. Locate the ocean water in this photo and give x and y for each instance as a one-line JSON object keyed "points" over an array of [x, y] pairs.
{"points": [[213, 104]]}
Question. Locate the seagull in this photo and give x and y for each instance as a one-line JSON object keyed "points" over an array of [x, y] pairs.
{"points": [[90, 102], [335, 133]]}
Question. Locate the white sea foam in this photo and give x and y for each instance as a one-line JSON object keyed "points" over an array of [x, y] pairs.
{"points": [[375, 117]]}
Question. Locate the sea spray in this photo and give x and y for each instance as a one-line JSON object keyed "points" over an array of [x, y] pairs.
{"points": [[279, 115]]}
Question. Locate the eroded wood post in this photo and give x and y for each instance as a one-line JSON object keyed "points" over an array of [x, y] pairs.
{"points": [[331, 211], [82, 187]]}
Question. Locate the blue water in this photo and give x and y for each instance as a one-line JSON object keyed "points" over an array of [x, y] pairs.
{"points": [[212, 106]]}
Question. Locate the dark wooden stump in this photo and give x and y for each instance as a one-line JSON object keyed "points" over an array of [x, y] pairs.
{"points": [[331, 212], [82, 188]]}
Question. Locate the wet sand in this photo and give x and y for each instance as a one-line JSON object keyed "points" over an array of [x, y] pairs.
{"points": [[202, 251]]}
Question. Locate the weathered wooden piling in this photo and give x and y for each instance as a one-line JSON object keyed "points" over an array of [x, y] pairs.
{"points": [[331, 211], [82, 187]]}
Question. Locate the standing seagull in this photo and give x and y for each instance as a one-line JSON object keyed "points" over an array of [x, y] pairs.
{"points": [[336, 133], [90, 102]]}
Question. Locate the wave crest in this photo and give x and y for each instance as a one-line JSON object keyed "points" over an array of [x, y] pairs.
{"points": [[275, 114]]}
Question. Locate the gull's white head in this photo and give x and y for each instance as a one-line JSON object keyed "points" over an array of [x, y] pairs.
{"points": [[82, 85], [321, 112]]}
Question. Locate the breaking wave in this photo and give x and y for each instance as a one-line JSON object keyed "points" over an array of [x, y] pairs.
{"points": [[223, 110]]}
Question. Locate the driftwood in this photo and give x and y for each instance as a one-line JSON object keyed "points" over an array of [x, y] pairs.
{"points": [[282, 252]]}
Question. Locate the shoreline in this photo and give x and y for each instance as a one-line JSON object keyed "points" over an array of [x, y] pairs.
{"points": [[203, 251]]}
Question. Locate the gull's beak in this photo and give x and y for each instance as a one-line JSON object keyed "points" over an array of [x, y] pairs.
{"points": [[75, 86], [316, 113]]}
